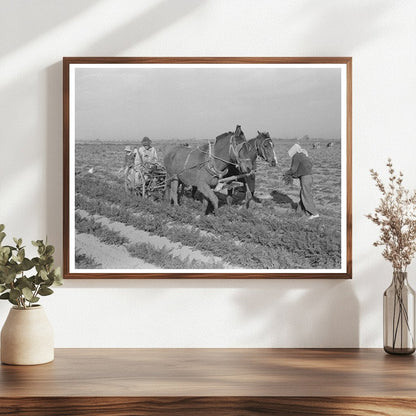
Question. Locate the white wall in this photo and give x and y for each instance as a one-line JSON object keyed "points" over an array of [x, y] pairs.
{"points": [[380, 35]]}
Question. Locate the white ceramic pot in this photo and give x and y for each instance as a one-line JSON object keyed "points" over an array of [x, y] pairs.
{"points": [[27, 337]]}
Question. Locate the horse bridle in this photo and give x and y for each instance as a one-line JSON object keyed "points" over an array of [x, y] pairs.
{"points": [[210, 165], [234, 150], [260, 148]]}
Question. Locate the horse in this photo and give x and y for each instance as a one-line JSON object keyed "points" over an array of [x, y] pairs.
{"points": [[262, 146], [203, 166]]}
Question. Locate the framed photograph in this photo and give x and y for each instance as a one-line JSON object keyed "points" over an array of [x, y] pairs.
{"points": [[207, 168]]}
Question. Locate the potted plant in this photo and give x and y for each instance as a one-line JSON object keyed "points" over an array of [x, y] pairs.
{"points": [[396, 217], [27, 336]]}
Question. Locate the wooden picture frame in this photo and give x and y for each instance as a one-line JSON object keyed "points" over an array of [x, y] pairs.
{"points": [[111, 231]]}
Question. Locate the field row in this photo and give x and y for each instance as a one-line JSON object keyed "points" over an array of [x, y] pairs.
{"points": [[155, 251], [248, 255], [265, 238]]}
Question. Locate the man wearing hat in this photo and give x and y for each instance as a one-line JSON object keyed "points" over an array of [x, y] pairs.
{"points": [[146, 155]]}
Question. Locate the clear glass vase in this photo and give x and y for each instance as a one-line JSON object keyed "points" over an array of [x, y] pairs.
{"points": [[399, 316]]}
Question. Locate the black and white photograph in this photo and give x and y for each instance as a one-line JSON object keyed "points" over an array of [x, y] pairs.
{"points": [[210, 168]]}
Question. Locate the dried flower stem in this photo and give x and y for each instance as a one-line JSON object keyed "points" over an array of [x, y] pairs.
{"points": [[396, 216]]}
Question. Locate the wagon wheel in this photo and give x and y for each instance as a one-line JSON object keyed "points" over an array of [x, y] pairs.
{"points": [[154, 184]]}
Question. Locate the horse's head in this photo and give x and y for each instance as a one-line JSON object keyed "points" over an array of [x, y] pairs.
{"points": [[265, 148]]}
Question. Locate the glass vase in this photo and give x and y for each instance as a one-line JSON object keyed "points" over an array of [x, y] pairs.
{"points": [[399, 316]]}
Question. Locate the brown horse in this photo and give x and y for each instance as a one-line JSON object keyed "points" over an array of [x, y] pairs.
{"points": [[201, 167], [262, 146]]}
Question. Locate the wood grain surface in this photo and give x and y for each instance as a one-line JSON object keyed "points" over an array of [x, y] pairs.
{"points": [[212, 381]]}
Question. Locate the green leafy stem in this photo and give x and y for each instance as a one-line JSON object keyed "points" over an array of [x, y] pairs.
{"points": [[24, 280]]}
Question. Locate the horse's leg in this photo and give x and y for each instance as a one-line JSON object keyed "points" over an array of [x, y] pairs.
{"points": [[193, 192], [249, 196], [167, 189], [180, 188], [210, 197], [251, 185], [181, 191], [205, 205], [229, 197], [174, 191]]}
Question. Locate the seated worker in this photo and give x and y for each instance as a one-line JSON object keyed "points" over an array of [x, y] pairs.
{"points": [[146, 156]]}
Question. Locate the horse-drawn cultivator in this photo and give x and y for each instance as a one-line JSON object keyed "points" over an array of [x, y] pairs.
{"points": [[146, 182], [153, 183], [226, 165]]}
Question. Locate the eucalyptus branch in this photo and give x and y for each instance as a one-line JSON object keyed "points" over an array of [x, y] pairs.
{"points": [[17, 285]]}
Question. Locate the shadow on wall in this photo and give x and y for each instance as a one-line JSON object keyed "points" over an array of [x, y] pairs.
{"points": [[350, 24], [301, 313], [375, 277], [158, 17], [316, 313], [54, 146], [147, 24], [37, 17]]}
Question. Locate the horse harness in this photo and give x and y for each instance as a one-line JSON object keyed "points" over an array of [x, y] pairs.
{"points": [[234, 150]]}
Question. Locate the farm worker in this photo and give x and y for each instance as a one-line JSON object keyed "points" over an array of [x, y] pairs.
{"points": [[302, 168], [147, 153], [128, 159]]}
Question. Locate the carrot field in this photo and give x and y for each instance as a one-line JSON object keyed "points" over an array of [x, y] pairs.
{"points": [[115, 230]]}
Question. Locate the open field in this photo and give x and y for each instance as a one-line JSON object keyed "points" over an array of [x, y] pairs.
{"points": [[149, 233]]}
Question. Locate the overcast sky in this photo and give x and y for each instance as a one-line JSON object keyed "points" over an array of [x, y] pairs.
{"points": [[185, 103]]}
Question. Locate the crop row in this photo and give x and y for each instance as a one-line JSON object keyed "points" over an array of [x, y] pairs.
{"points": [[301, 243], [161, 257], [247, 255], [85, 262]]}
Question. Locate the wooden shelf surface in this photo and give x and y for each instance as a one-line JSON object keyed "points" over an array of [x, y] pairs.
{"points": [[231, 381]]}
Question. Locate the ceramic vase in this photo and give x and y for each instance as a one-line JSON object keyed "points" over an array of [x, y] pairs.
{"points": [[27, 337]]}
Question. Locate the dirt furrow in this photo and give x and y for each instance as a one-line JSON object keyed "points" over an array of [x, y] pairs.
{"points": [[179, 250], [109, 256]]}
